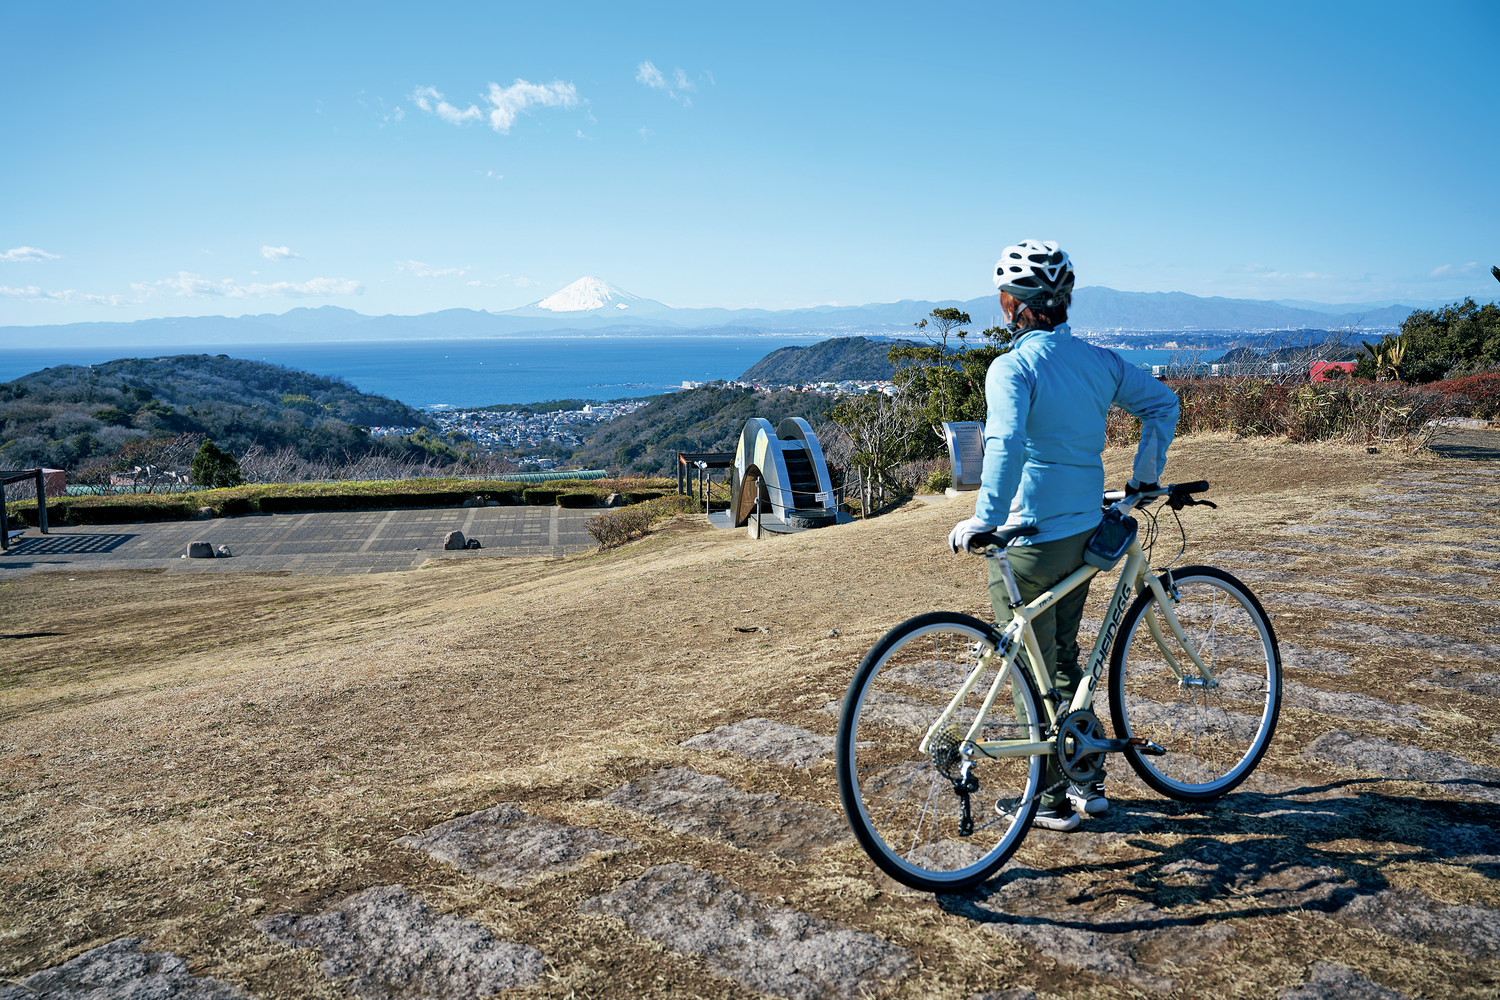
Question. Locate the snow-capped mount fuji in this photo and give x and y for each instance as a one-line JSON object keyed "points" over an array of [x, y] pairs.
{"points": [[593, 297]]}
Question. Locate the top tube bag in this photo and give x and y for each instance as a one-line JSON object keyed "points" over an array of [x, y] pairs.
{"points": [[1107, 545]]}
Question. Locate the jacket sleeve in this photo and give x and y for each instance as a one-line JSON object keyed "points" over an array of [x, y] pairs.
{"points": [[1142, 396], [1007, 393]]}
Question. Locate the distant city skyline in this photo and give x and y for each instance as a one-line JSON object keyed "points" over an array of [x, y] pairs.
{"points": [[185, 161]]}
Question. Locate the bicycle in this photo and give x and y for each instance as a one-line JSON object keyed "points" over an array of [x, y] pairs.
{"points": [[941, 700]]}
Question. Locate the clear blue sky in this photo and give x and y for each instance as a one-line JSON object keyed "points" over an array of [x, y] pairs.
{"points": [[159, 157]]}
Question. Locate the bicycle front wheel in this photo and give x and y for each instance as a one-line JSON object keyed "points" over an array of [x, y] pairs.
{"points": [[901, 803], [1214, 732]]}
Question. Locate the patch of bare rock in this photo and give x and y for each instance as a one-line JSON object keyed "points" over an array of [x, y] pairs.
{"points": [[1482, 683], [1352, 705], [770, 949], [120, 970], [1325, 661], [1457, 579], [1440, 644], [763, 739], [708, 806], [1336, 982], [387, 942], [507, 846], [1414, 916], [1344, 605], [1403, 762]]}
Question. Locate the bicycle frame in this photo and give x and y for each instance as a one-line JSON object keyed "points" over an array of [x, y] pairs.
{"points": [[1135, 576]]}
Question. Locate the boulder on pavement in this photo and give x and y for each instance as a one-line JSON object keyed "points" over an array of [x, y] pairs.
{"points": [[204, 514], [613, 500], [474, 501], [473, 543], [200, 550], [222, 552], [454, 540]]}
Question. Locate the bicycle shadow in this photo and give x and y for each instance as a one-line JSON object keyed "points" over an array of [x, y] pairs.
{"points": [[1120, 904]]}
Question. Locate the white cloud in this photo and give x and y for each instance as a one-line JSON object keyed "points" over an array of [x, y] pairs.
{"points": [[421, 270], [278, 253], [1452, 271], [645, 132], [34, 294], [652, 77], [514, 99], [20, 254], [193, 286], [505, 102], [430, 100]]}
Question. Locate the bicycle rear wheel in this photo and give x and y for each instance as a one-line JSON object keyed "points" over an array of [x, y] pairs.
{"points": [[1214, 735], [902, 808]]}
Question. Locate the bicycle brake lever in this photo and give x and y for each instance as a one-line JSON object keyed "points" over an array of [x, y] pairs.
{"points": [[1186, 500]]}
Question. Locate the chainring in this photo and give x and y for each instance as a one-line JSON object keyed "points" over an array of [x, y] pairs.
{"points": [[1074, 731]]}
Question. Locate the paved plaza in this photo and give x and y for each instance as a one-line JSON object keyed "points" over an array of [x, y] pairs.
{"points": [[379, 541]]}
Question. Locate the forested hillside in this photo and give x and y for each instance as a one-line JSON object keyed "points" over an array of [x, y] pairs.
{"points": [[707, 419], [65, 416], [833, 360]]}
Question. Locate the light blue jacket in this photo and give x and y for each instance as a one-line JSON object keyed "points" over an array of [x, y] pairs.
{"points": [[1042, 440]]}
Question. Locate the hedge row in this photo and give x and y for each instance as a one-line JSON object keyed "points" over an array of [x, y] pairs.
{"points": [[619, 526], [286, 498]]}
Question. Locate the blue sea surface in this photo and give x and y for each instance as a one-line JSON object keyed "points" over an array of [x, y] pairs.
{"points": [[482, 372]]}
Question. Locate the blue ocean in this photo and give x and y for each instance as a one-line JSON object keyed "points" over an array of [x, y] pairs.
{"points": [[464, 373]]}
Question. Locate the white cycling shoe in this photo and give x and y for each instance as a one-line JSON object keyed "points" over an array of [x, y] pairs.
{"points": [[1056, 819], [1088, 800]]}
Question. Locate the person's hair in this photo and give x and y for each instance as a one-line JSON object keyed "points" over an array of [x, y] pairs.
{"points": [[1042, 317]]}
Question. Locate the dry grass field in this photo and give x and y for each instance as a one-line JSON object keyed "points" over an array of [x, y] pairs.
{"points": [[183, 757]]}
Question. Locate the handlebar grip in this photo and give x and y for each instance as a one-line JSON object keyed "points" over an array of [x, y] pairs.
{"points": [[1001, 537], [1201, 486]]}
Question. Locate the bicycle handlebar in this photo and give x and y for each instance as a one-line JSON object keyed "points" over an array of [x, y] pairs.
{"points": [[1178, 492]]}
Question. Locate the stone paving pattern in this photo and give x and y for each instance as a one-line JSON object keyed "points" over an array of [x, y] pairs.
{"points": [[770, 949], [120, 970], [319, 542], [507, 846], [392, 944]]}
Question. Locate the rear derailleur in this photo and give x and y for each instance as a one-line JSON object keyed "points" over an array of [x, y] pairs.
{"points": [[954, 762]]}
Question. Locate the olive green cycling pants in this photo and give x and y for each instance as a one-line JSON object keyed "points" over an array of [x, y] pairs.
{"points": [[1037, 568]]}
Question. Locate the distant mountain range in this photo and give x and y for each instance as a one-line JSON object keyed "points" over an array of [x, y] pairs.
{"points": [[592, 306]]}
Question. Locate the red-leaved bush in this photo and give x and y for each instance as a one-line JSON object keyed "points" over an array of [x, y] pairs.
{"points": [[1476, 396], [1356, 411]]}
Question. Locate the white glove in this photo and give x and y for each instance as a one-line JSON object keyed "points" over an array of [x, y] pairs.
{"points": [[964, 531]]}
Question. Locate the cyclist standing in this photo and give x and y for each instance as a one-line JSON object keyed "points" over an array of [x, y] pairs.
{"points": [[1043, 438]]}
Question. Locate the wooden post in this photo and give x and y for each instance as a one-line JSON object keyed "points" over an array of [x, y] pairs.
{"points": [[41, 501]]}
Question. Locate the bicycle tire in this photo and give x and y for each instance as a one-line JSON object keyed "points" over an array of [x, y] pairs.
{"points": [[902, 810], [1214, 737]]}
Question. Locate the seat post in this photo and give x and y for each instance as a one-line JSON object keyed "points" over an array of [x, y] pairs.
{"points": [[1009, 578]]}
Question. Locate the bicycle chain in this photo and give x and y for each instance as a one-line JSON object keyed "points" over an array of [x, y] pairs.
{"points": [[1025, 805]]}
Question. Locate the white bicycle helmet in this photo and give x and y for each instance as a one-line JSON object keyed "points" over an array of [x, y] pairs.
{"points": [[1038, 274]]}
